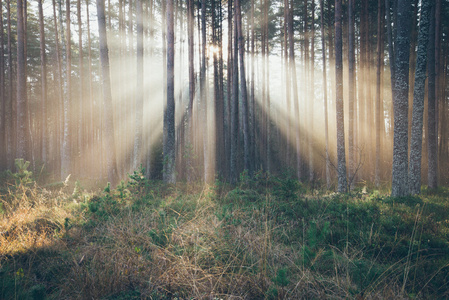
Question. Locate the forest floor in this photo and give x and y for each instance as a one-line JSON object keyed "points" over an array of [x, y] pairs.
{"points": [[265, 238]]}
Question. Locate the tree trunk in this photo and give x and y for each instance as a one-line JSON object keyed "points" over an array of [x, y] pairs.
{"points": [[66, 145], [235, 109], [81, 123], [341, 160], [3, 134], [10, 126], [431, 107], [59, 107], [44, 136], [91, 122], [378, 90], [22, 120], [292, 63], [312, 96], [351, 87], [189, 142], [241, 45], [287, 81], [391, 52], [418, 101], [111, 163], [139, 88], [169, 114], [326, 121], [399, 186]]}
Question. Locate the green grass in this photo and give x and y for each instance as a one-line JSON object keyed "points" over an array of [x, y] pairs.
{"points": [[266, 238]]}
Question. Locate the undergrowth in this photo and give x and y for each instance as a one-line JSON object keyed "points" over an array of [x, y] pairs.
{"points": [[265, 238]]}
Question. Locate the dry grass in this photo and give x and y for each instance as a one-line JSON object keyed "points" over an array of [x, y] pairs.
{"points": [[189, 246]]}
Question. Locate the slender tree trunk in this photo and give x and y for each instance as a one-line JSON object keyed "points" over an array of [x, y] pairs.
{"points": [[252, 92], [169, 114], [3, 140], [418, 101], [294, 79], [351, 87], [312, 96], [59, 107], [326, 119], [243, 88], [111, 162], [203, 93], [230, 150], [287, 80], [219, 109], [399, 186], [66, 145], [431, 107], [81, 110], [189, 143], [22, 120], [235, 109], [44, 136], [139, 88], [439, 86], [10, 132], [91, 122], [378, 90], [391, 52], [341, 168]]}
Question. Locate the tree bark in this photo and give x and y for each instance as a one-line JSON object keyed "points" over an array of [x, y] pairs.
{"points": [[292, 61], [59, 107], [378, 90], [189, 144], [351, 88], [10, 126], [326, 119], [399, 186], [66, 167], [418, 101], [139, 88], [431, 107], [169, 114], [22, 120], [341, 159], [111, 163], [3, 140], [91, 122], [81, 123], [44, 136], [241, 45]]}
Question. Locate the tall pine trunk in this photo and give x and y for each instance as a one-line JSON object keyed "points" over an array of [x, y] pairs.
{"points": [[111, 163], [351, 88], [21, 104], [399, 186], [139, 88], [326, 119], [3, 141], [418, 101], [169, 114], [431, 108], [44, 136], [294, 85], [243, 88], [378, 90], [341, 159]]}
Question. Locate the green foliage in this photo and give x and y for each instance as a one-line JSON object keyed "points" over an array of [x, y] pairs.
{"points": [[287, 187], [281, 278], [264, 238], [23, 176]]}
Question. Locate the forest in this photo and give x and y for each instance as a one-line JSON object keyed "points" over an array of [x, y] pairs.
{"points": [[221, 149]]}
